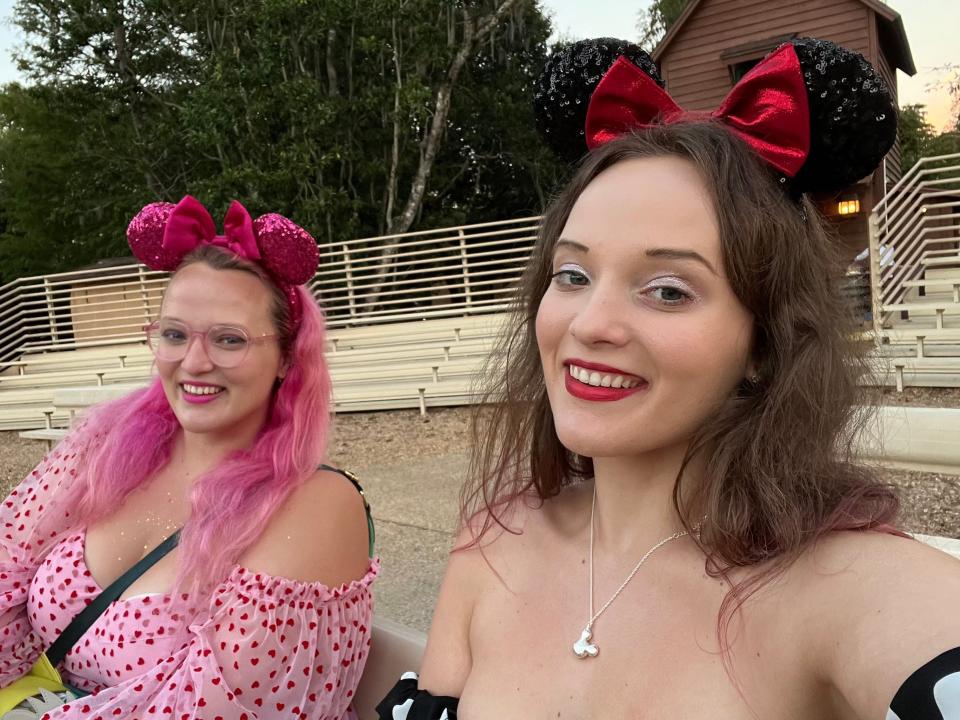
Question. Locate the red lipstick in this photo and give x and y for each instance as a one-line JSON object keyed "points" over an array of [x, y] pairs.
{"points": [[583, 391]]}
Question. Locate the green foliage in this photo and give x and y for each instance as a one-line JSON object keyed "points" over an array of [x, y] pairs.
{"points": [[919, 139], [289, 106], [654, 22]]}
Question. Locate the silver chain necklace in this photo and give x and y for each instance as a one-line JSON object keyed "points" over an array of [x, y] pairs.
{"points": [[583, 648]]}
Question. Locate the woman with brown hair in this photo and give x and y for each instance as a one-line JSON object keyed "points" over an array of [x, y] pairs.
{"points": [[664, 518]]}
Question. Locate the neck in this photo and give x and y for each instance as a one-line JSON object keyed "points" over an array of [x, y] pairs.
{"points": [[634, 503], [196, 453]]}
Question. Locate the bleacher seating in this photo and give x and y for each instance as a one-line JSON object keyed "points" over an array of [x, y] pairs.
{"points": [[418, 364]]}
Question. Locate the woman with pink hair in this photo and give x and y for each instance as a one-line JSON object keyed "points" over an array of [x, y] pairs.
{"points": [[264, 608]]}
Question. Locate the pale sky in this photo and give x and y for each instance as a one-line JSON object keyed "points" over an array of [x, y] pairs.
{"points": [[932, 27]]}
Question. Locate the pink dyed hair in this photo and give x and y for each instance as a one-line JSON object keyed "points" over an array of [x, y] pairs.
{"points": [[129, 439]]}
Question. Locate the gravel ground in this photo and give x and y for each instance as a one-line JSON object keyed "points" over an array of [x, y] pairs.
{"points": [[922, 396], [931, 501]]}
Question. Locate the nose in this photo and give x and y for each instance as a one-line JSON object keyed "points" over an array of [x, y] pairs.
{"points": [[601, 318], [196, 359]]}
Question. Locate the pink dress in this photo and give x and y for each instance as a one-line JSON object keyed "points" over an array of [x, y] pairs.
{"points": [[258, 647]]}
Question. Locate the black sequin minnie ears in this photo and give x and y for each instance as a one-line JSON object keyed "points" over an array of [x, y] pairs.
{"points": [[818, 113]]}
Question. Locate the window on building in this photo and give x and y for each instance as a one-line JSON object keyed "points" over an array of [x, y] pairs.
{"points": [[741, 58], [738, 70]]}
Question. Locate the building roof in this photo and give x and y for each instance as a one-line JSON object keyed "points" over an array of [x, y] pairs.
{"points": [[893, 36]]}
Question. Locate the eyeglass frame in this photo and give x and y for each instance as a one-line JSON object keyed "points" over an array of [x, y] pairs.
{"points": [[204, 334]]}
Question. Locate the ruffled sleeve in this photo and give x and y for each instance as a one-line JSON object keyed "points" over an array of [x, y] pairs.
{"points": [[32, 519], [266, 648]]}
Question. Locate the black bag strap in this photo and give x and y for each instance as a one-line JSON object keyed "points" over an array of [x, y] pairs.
{"points": [[371, 532], [88, 616]]}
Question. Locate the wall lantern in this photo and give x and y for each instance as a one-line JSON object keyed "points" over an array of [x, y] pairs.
{"points": [[848, 205]]}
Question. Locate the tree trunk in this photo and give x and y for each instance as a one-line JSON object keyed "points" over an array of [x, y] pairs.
{"points": [[333, 84], [395, 153], [473, 34]]}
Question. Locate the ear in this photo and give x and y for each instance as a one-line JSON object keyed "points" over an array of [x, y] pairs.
{"points": [[284, 368]]}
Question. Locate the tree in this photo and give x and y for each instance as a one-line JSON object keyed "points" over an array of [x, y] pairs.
{"points": [[355, 117], [919, 139], [655, 21]]}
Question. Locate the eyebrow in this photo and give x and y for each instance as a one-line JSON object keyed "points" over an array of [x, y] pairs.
{"points": [[665, 253], [572, 244], [674, 254]]}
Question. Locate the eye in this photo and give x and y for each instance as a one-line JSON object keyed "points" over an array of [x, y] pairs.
{"points": [[671, 295], [229, 339], [570, 277], [173, 335]]}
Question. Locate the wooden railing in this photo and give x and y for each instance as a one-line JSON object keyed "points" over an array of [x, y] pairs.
{"points": [[915, 226], [435, 273]]}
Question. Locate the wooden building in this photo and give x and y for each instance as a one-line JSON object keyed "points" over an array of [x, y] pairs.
{"points": [[715, 42]]}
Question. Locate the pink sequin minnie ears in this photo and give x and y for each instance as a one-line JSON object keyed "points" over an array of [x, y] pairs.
{"points": [[818, 114], [163, 234]]}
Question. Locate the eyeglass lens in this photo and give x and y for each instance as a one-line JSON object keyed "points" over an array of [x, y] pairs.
{"points": [[225, 345]]}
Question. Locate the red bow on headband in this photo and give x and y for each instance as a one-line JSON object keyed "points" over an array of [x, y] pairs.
{"points": [[768, 108], [190, 226]]}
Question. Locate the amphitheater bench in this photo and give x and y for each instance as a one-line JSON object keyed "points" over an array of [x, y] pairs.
{"points": [[924, 365], [38, 365], [363, 397], [49, 435], [936, 285], [949, 261], [939, 308], [919, 337]]}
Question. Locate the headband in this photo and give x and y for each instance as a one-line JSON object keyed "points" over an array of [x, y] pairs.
{"points": [[817, 113], [163, 234]]}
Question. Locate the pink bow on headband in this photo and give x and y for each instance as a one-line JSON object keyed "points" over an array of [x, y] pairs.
{"points": [[768, 108], [162, 235], [190, 225]]}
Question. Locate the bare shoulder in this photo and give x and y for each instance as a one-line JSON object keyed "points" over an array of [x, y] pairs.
{"points": [[856, 563], [490, 552], [319, 534], [876, 607]]}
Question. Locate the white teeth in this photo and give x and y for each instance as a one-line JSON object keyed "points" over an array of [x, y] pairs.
{"points": [[597, 380], [201, 389]]}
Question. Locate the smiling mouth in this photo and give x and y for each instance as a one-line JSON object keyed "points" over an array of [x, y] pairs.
{"points": [[594, 378], [200, 390]]}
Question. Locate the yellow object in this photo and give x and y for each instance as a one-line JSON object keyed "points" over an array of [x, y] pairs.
{"points": [[43, 675], [849, 207]]}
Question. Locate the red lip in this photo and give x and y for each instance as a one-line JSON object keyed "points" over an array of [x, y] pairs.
{"points": [[599, 368], [598, 394]]}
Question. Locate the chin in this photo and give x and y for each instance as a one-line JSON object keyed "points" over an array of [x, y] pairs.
{"points": [[595, 443], [623, 439]]}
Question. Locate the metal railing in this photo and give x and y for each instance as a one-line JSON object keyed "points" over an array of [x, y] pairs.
{"points": [[913, 227], [435, 273]]}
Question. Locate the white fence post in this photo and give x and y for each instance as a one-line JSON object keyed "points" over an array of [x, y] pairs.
{"points": [[51, 316], [348, 267], [876, 299], [465, 268], [144, 295]]}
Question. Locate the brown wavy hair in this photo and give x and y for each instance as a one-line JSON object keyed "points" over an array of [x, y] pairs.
{"points": [[779, 449]]}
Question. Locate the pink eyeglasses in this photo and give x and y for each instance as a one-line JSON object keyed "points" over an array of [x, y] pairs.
{"points": [[226, 345]]}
